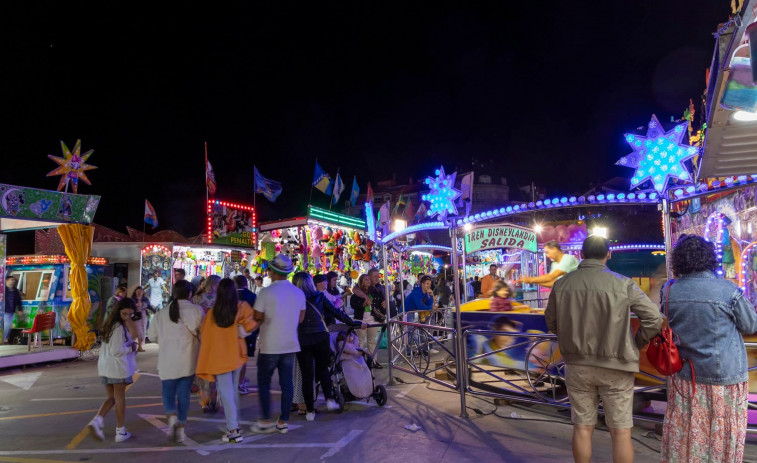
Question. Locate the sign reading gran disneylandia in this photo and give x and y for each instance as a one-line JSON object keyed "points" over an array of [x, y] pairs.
{"points": [[497, 237]]}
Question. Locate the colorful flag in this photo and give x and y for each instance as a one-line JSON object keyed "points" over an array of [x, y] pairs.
{"points": [[369, 194], [466, 186], [151, 218], [383, 216], [338, 188], [398, 205], [407, 213], [420, 214], [210, 177], [271, 189], [322, 180], [355, 191]]}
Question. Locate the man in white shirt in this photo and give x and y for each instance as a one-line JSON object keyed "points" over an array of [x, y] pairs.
{"points": [[236, 272], [258, 286], [562, 264], [156, 285], [279, 308]]}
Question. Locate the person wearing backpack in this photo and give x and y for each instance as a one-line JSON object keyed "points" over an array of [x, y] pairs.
{"points": [[706, 416]]}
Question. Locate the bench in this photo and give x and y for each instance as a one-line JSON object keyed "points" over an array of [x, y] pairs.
{"points": [[42, 322]]}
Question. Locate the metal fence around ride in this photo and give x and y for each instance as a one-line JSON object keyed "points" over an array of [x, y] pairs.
{"points": [[424, 349]]}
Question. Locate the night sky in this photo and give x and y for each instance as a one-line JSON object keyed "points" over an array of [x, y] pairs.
{"points": [[537, 91]]}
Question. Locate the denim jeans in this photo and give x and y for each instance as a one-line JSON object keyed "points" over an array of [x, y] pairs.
{"points": [[267, 363], [226, 384], [7, 324], [176, 397]]}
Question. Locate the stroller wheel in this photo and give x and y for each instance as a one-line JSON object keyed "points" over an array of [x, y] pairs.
{"points": [[339, 398], [379, 394]]}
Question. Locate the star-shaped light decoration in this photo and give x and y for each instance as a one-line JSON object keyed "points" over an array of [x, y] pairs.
{"points": [[659, 156], [71, 166], [442, 194]]}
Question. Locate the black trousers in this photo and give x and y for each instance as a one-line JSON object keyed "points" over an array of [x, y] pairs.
{"points": [[317, 354]]}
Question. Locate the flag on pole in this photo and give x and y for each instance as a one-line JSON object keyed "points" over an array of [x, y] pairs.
{"points": [[420, 214], [399, 204], [338, 188], [369, 194], [407, 213], [321, 180], [271, 189], [383, 216], [355, 191], [151, 218], [210, 177]]}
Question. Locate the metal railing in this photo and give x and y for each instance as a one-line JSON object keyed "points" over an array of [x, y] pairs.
{"points": [[412, 344]]}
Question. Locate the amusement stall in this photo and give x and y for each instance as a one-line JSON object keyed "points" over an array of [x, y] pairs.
{"points": [[319, 242], [44, 284]]}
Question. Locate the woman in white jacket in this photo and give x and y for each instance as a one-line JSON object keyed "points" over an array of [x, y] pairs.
{"points": [[116, 365], [177, 331]]}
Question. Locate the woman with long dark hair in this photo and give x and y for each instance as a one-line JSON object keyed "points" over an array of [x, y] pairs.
{"points": [[315, 345], [177, 332], [332, 292], [116, 366], [706, 418], [142, 304], [223, 350]]}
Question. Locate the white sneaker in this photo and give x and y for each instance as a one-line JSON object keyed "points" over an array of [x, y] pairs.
{"points": [[332, 405], [180, 436], [172, 428], [96, 428], [310, 416], [122, 434]]}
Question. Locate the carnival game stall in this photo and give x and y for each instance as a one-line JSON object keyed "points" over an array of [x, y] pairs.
{"points": [[319, 242], [43, 282]]}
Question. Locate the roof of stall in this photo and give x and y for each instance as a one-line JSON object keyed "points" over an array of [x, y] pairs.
{"points": [[318, 216], [730, 147]]}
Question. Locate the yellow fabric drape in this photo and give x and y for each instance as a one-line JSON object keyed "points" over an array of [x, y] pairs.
{"points": [[78, 242]]}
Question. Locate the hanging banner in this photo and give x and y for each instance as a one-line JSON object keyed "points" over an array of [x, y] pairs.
{"points": [[17, 202], [498, 237]]}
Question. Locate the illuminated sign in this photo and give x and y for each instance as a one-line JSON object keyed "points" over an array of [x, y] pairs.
{"points": [[498, 237], [231, 224]]}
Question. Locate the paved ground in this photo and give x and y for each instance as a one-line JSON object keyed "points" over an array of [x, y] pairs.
{"points": [[44, 411]]}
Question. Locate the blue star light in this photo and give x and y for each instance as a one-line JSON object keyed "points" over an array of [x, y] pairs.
{"points": [[659, 156], [442, 195]]}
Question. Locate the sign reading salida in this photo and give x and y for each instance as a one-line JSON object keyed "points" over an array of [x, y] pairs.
{"points": [[505, 236]]}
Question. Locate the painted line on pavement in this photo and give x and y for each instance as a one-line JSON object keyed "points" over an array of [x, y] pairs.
{"points": [[209, 448], [30, 460], [405, 391], [42, 415], [95, 398]]}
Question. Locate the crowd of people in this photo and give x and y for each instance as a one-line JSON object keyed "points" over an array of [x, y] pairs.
{"points": [[211, 327], [206, 335]]}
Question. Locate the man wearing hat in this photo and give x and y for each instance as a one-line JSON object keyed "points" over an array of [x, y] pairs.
{"points": [[279, 308]]}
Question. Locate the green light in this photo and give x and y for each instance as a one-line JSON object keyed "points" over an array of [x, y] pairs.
{"points": [[334, 217]]}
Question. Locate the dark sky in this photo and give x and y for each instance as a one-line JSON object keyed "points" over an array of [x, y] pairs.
{"points": [[545, 90]]}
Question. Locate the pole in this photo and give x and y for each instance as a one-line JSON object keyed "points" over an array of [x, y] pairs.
{"points": [[387, 295], [333, 189], [465, 273], [205, 207], [310, 199], [460, 361], [402, 287], [668, 234]]}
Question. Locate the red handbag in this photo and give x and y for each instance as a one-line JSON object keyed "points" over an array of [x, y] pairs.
{"points": [[663, 353]]}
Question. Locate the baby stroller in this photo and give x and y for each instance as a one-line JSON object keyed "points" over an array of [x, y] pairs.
{"points": [[351, 371]]}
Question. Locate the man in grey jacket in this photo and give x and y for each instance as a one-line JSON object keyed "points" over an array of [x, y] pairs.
{"points": [[590, 311]]}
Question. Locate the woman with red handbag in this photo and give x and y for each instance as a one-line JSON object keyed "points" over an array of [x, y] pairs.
{"points": [[706, 420]]}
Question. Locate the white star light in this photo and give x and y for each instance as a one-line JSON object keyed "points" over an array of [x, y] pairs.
{"points": [[659, 156], [442, 194]]}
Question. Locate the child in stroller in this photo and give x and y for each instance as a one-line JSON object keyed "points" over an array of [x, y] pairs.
{"points": [[350, 371]]}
